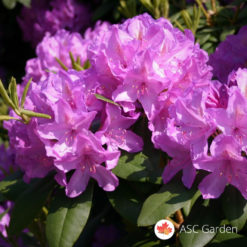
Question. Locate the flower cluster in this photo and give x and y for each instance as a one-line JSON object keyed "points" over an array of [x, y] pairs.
{"points": [[55, 48], [51, 16], [141, 67], [230, 55]]}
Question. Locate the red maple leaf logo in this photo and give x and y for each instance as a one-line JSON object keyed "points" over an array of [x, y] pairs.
{"points": [[164, 229]]}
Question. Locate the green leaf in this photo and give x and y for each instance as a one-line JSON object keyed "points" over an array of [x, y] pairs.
{"points": [[187, 208], [35, 114], [101, 97], [5, 96], [126, 202], [13, 92], [228, 240], [86, 65], [61, 64], [139, 167], [10, 4], [4, 213], [202, 218], [12, 186], [23, 98], [26, 3], [235, 212], [226, 32], [29, 204], [170, 198], [67, 217], [7, 117]]}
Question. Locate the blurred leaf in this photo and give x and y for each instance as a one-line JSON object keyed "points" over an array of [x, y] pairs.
{"points": [[201, 216], [170, 198], [26, 3], [4, 213], [28, 204], [126, 202], [101, 97], [226, 32], [10, 4], [139, 167], [67, 217], [12, 186], [187, 208], [228, 240], [106, 7], [141, 237], [127, 8], [234, 207]]}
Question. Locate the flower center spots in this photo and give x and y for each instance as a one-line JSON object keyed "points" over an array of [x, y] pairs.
{"points": [[88, 164], [117, 136], [140, 89], [70, 137]]}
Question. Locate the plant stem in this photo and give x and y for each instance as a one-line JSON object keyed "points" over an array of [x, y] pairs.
{"points": [[176, 225], [213, 4], [180, 217]]}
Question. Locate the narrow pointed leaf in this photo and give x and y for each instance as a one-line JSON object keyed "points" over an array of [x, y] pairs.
{"points": [[35, 114], [86, 65], [72, 60], [13, 92], [7, 117], [100, 97], [5, 96], [24, 95], [61, 64]]}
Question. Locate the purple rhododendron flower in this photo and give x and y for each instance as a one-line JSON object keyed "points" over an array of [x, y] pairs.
{"points": [[144, 57], [4, 222], [86, 162], [145, 66], [50, 16], [52, 47], [114, 132], [184, 135], [58, 46], [226, 165], [230, 55]]}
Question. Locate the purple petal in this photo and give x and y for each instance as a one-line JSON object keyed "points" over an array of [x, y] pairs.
{"points": [[189, 173], [212, 186], [171, 169], [106, 179], [77, 183]]}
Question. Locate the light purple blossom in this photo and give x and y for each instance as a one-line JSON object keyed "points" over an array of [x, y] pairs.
{"points": [[86, 162], [57, 46], [115, 134], [226, 166], [146, 57]]}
